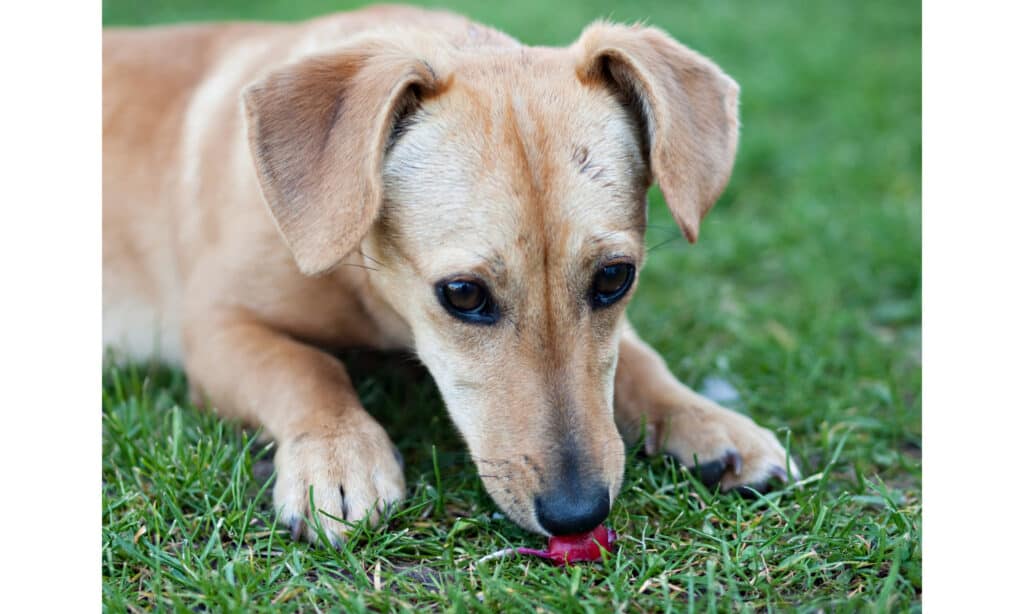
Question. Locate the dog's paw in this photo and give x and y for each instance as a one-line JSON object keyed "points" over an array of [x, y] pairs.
{"points": [[722, 448], [354, 472]]}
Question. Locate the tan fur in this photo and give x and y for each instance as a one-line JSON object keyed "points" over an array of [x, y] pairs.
{"points": [[259, 209]]}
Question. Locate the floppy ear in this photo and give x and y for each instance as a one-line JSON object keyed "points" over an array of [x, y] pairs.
{"points": [[318, 130], [686, 105]]}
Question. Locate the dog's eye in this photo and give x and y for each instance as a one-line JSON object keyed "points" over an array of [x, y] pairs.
{"points": [[611, 283], [468, 301], [464, 295]]}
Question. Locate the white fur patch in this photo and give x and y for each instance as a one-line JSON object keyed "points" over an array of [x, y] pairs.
{"points": [[136, 331]]}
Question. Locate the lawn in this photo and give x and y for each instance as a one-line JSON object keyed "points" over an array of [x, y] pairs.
{"points": [[803, 296]]}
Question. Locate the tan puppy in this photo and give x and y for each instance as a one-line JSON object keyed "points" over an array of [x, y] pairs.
{"points": [[398, 178]]}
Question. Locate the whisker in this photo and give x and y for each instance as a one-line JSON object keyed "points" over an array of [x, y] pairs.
{"points": [[360, 266], [665, 242], [480, 459], [370, 258], [606, 234]]}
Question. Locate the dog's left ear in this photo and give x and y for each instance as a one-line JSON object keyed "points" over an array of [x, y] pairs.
{"points": [[686, 105]]}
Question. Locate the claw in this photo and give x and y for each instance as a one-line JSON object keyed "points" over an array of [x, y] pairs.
{"points": [[344, 503], [750, 491], [710, 473], [652, 440], [337, 541], [779, 473], [398, 456], [386, 508], [296, 525]]}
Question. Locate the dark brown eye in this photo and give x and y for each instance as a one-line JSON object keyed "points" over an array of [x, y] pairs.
{"points": [[467, 300], [464, 295], [611, 283]]}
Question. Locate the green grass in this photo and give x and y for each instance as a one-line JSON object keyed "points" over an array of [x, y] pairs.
{"points": [[804, 293]]}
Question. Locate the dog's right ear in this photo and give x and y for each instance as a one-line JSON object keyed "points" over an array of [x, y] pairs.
{"points": [[318, 130]]}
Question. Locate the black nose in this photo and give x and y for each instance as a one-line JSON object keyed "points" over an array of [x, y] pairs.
{"points": [[573, 510]]}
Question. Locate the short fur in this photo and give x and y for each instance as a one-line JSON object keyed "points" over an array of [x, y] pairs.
{"points": [[275, 192]]}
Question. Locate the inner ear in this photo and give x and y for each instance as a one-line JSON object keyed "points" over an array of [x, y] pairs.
{"points": [[404, 116], [687, 105], [628, 93]]}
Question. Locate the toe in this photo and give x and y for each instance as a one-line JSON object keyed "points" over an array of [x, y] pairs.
{"points": [[329, 506]]}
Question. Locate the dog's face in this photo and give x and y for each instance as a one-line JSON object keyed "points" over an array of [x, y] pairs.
{"points": [[505, 220], [510, 236]]}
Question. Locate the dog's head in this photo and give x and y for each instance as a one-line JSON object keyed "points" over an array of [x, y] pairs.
{"points": [[501, 193]]}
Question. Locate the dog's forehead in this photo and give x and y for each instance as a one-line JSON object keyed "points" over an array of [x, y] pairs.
{"points": [[512, 155]]}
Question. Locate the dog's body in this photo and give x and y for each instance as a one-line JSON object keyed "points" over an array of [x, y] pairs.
{"points": [[402, 179]]}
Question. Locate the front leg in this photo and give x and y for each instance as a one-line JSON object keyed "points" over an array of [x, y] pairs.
{"points": [[730, 449], [304, 400]]}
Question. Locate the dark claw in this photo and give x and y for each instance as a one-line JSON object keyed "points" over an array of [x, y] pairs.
{"points": [[775, 474], [336, 541], [711, 473], [779, 473], [751, 491], [296, 525], [344, 504]]}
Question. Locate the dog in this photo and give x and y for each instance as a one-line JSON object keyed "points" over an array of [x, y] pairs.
{"points": [[403, 179]]}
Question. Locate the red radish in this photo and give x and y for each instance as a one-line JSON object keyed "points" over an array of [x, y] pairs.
{"points": [[567, 549]]}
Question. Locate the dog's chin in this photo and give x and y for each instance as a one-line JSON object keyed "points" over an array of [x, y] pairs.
{"points": [[511, 507]]}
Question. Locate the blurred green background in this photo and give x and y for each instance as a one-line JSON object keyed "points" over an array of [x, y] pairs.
{"points": [[803, 294]]}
